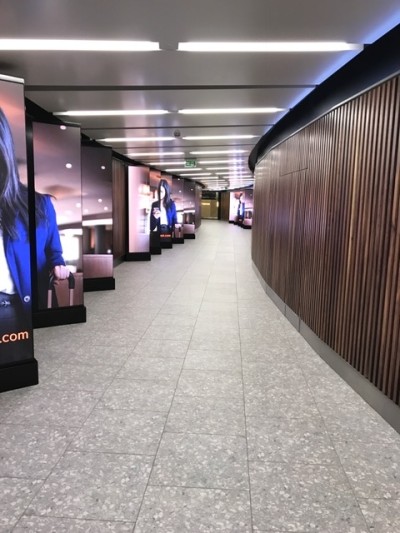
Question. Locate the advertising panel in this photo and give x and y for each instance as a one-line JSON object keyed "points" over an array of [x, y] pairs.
{"points": [[177, 197], [241, 207], [248, 209], [139, 201], [16, 338], [57, 170], [189, 209], [97, 205], [163, 215], [236, 207]]}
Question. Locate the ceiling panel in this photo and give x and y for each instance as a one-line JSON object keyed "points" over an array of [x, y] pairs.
{"points": [[174, 80]]}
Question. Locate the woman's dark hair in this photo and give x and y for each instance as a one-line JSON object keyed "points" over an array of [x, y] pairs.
{"points": [[13, 194], [167, 198]]}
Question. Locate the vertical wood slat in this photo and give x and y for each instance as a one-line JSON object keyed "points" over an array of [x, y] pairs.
{"points": [[326, 232]]}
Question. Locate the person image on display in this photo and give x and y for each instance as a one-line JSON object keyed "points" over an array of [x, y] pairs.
{"points": [[163, 212], [15, 277]]}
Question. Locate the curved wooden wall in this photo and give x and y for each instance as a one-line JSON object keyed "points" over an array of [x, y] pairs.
{"points": [[326, 230]]}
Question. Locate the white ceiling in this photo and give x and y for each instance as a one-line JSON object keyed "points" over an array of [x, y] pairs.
{"points": [[172, 80]]}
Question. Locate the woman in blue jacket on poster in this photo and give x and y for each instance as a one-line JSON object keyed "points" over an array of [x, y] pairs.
{"points": [[163, 212], [15, 276]]}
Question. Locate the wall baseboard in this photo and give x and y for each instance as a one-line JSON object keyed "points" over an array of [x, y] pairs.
{"points": [[387, 409]]}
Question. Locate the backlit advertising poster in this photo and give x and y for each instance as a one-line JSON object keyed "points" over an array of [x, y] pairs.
{"points": [[189, 209], [248, 209], [97, 207], [177, 197], [57, 170], [139, 202], [163, 215], [16, 338], [241, 207], [154, 212]]}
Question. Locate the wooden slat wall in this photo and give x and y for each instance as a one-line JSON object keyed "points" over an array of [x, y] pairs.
{"points": [[326, 230]]}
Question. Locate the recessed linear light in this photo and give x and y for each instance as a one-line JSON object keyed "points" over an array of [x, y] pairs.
{"points": [[216, 137], [218, 168], [153, 154], [111, 113], [199, 174], [211, 152], [300, 46], [77, 45], [181, 169], [222, 162], [165, 163], [130, 139], [230, 111]]}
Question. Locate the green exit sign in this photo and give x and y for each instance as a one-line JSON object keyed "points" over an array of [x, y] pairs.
{"points": [[190, 163]]}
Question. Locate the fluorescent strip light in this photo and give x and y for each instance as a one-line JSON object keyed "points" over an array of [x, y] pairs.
{"points": [[77, 45], [163, 163], [112, 113], [153, 154], [301, 46], [129, 139], [228, 111], [181, 169], [200, 174], [210, 152], [218, 168], [216, 137], [222, 162]]}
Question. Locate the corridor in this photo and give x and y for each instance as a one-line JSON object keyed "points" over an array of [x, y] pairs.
{"points": [[188, 403]]}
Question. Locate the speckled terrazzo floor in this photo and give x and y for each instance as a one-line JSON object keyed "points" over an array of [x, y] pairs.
{"points": [[187, 403]]}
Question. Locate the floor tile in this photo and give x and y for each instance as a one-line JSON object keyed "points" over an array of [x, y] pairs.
{"points": [[210, 384], [49, 406], [98, 354], [208, 461], [200, 414], [289, 441], [161, 348], [373, 469], [94, 486], [279, 402], [303, 498], [173, 510], [142, 395], [31, 452], [382, 516], [222, 360], [15, 495], [156, 369], [82, 377], [113, 431], [35, 524], [168, 332]]}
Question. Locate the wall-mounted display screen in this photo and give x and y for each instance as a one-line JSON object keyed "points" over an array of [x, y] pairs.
{"points": [[57, 169], [177, 197], [241, 207], [189, 208], [97, 207], [16, 338], [163, 216], [139, 202], [248, 208]]}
